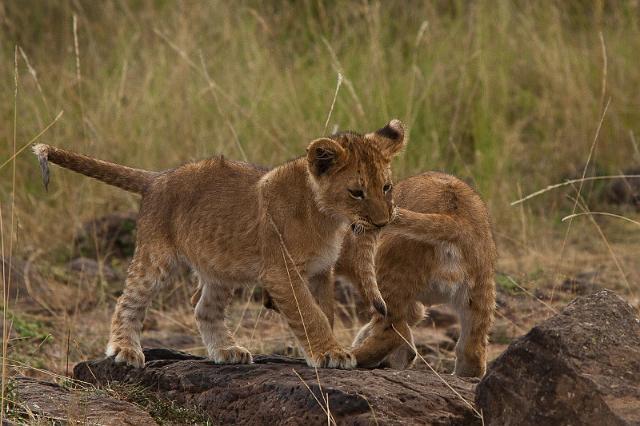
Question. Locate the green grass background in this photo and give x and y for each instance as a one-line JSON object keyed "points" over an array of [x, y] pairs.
{"points": [[507, 94]]}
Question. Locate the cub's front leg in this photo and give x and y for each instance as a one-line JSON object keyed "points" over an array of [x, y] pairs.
{"points": [[356, 265], [307, 321], [322, 286]]}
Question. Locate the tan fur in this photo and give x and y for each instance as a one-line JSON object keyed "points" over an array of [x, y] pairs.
{"points": [[440, 249], [134, 180], [236, 224]]}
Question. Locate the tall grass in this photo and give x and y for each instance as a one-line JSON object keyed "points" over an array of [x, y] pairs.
{"points": [[506, 93]]}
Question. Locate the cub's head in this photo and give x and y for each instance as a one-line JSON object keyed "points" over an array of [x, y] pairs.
{"points": [[351, 174]]}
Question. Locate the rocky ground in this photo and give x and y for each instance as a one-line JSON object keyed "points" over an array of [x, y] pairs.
{"points": [[581, 366], [62, 307]]}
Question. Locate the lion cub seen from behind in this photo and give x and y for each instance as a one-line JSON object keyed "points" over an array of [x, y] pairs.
{"points": [[235, 224], [438, 249]]}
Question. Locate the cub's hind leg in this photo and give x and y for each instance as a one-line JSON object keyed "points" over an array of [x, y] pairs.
{"points": [[404, 356], [476, 309], [380, 338], [210, 316], [379, 345], [148, 272]]}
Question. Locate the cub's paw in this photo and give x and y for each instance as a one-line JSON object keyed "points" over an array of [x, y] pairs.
{"points": [[469, 369], [334, 358], [232, 355], [126, 354]]}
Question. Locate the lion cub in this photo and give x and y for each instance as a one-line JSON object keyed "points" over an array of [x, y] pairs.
{"points": [[439, 249], [235, 224]]}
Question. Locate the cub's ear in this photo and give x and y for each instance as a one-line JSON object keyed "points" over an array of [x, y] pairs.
{"points": [[324, 155], [390, 138]]}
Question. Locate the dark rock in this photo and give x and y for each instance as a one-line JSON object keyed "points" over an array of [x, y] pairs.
{"points": [[440, 316], [502, 300], [29, 291], [274, 390], [541, 294], [581, 366], [52, 404], [453, 332], [583, 283], [111, 235], [18, 274], [624, 191], [92, 269], [432, 341]]}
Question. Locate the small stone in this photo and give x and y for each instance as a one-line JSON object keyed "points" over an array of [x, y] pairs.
{"points": [[582, 284], [440, 316], [92, 269]]}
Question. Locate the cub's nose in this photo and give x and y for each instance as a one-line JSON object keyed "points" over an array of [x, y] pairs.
{"points": [[380, 224]]}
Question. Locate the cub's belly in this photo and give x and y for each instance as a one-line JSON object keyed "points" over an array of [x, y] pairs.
{"points": [[446, 276]]}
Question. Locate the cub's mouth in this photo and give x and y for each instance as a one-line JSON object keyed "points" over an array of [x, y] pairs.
{"points": [[359, 227]]}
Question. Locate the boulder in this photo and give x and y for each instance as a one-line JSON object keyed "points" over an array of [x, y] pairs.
{"points": [[440, 316], [583, 283], [625, 191], [49, 403], [581, 366], [282, 390], [111, 235], [92, 269], [30, 292]]}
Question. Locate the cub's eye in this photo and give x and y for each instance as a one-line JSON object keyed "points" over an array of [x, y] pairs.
{"points": [[386, 188], [357, 194]]}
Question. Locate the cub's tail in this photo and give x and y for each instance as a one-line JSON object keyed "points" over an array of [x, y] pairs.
{"points": [[133, 180]]}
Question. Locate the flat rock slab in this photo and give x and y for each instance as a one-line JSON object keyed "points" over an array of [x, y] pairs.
{"points": [[50, 403], [580, 367], [284, 391]]}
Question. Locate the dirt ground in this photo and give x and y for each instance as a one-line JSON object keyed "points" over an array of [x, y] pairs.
{"points": [[49, 334], [62, 300]]}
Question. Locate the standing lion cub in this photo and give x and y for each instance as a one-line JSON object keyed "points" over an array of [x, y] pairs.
{"points": [[439, 249], [235, 224]]}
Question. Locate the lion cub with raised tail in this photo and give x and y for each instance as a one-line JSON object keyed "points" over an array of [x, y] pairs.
{"points": [[236, 224], [439, 249]]}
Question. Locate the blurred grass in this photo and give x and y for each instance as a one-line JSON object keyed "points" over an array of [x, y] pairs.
{"points": [[505, 93]]}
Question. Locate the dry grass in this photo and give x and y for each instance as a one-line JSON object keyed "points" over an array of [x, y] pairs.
{"points": [[508, 95]]}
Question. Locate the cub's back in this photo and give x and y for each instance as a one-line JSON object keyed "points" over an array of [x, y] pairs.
{"points": [[436, 192], [400, 259]]}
